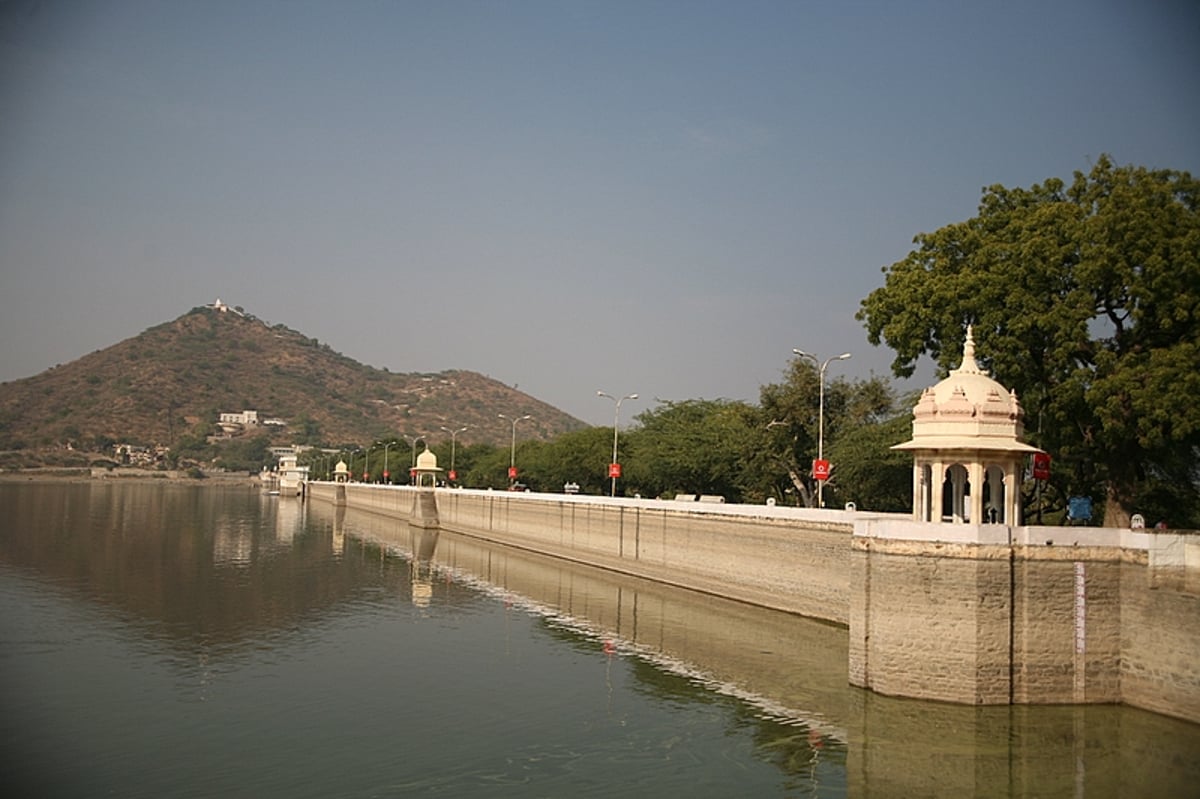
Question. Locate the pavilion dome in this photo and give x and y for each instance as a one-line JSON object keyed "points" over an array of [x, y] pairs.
{"points": [[968, 410], [427, 462]]}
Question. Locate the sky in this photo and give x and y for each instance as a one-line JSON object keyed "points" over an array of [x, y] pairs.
{"points": [[662, 198]]}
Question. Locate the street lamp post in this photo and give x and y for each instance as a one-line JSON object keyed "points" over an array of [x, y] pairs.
{"points": [[512, 457], [367, 464], [614, 467], [386, 447], [821, 412], [413, 467], [453, 435]]}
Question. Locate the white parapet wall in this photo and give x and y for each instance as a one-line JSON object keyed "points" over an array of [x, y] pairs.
{"points": [[790, 559], [975, 614]]}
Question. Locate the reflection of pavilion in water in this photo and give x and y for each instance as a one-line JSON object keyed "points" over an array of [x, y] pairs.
{"points": [[235, 539], [790, 667], [289, 519], [212, 566], [786, 669], [421, 567]]}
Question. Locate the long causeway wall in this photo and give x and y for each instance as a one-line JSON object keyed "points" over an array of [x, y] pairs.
{"points": [[972, 614]]}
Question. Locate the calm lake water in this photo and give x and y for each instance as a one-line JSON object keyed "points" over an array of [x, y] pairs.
{"points": [[204, 640]]}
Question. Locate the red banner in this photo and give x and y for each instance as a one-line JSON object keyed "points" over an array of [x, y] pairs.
{"points": [[1041, 466], [820, 470], [614, 470], [512, 472], [453, 475]]}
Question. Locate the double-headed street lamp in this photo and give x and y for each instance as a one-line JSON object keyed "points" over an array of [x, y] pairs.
{"points": [[367, 465], [820, 467], [386, 447], [614, 468], [512, 457], [453, 475], [412, 469]]}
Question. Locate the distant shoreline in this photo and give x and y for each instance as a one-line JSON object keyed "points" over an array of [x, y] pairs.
{"points": [[87, 475]]}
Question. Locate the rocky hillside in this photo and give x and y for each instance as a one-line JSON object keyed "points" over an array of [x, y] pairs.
{"points": [[176, 378]]}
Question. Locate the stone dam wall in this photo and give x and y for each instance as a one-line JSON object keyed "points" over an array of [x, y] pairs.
{"points": [[971, 614]]}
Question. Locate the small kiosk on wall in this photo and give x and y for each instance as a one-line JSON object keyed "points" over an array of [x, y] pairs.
{"points": [[968, 459]]}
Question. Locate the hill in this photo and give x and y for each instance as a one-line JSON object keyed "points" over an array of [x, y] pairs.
{"points": [[175, 379]]}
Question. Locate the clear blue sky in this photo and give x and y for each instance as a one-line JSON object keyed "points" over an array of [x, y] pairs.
{"points": [[660, 197]]}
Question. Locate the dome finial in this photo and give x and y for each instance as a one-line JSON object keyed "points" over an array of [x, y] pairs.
{"points": [[968, 360]]}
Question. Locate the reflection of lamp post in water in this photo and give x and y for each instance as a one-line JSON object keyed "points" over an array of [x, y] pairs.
{"points": [[614, 468], [453, 475], [821, 416], [512, 457]]}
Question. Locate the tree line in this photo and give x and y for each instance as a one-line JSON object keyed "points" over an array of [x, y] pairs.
{"points": [[741, 451], [1084, 298]]}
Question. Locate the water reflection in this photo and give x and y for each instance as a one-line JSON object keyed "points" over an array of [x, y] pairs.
{"points": [[223, 577], [792, 670], [218, 565]]}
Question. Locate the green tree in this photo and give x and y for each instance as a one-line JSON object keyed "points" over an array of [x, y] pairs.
{"points": [[246, 454], [306, 430], [1085, 299], [489, 466], [867, 471], [466, 460], [789, 429], [580, 456], [691, 447]]}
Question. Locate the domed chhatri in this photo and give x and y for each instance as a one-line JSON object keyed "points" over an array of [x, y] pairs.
{"points": [[427, 466], [966, 433]]}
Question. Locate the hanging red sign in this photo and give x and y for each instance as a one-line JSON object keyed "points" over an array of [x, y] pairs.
{"points": [[385, 475], [512, 472], [614, 470], [453, 475], [820, 470], [1041, 466]]}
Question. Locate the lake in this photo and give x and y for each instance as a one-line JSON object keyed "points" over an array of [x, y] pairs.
{"points": [[194, 640]]}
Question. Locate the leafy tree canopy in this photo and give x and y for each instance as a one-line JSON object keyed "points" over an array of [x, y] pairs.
{"points": [[790, 431], [690, 447], [1085, 299]]}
